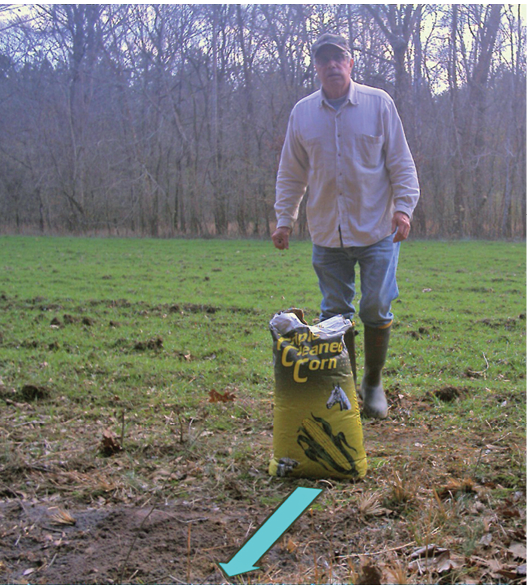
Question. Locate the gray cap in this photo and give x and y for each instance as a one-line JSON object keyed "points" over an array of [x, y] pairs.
{"points": [[330, 39]]}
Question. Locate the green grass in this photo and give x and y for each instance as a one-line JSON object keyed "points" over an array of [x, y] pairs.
{"points": [[245, 274], [460, 319], [141, 331]]}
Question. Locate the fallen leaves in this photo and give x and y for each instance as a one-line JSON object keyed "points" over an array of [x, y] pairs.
{"points": [[455, 486], [496, 569], [486, 540], [215, 396], [510, 508], [370, 574], [109, 444], [518, 550], [433, 558]]}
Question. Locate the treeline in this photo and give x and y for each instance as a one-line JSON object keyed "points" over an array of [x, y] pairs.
{"points": [[166, 120]]}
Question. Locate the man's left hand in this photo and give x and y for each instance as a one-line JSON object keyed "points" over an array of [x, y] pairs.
{"points": [[401, 223]]}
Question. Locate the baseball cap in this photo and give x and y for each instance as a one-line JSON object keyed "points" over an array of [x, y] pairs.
{"points": [[330, 39]]}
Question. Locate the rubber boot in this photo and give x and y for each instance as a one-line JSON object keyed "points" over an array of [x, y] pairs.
{"points": [[349, 340], [371, 391]]}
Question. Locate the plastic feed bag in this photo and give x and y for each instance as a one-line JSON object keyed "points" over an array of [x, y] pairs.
{"points": [[317, 426]]}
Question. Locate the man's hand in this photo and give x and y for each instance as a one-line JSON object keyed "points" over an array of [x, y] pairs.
{"points": [[401, 223], [281, 238]]}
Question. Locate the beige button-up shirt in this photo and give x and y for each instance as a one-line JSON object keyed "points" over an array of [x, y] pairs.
{"points": [[356, 162]]}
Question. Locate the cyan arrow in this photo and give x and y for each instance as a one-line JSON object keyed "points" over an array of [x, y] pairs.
{"points": [[270, 531]]}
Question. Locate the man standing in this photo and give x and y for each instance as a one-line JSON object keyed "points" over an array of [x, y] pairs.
{"points": [[347, 144]]}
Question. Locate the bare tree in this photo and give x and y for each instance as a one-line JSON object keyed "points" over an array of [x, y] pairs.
{"points": [[169, 119], [483, 22]]}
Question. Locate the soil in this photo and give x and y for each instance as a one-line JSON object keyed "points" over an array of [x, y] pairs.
{"points": [[116, 544], [175, 543]]}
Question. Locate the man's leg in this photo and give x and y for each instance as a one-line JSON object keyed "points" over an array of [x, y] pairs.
{"points": [[378, 264], [371, 390], [335, 269]]}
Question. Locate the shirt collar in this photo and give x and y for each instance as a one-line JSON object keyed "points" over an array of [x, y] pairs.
{"points": [[352, 95]]}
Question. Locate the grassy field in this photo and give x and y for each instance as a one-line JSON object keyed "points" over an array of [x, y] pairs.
{"points": [[117, 465]]}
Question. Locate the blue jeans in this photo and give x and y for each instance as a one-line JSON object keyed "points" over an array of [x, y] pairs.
{"points": [[335, 268]]}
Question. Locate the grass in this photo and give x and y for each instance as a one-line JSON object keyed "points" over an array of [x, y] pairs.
{"points": [[132, 336]]}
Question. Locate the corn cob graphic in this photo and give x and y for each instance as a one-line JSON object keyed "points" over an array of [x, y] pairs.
{"points": [[319, 444]]}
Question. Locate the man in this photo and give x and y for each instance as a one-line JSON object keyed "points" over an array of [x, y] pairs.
{"points": [[346, 142]]}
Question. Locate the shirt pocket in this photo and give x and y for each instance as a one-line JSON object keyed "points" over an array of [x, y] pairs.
{"points": [[368, 149]]}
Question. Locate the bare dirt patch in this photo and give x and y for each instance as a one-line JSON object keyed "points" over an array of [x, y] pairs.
{"points": [[114, 544]]}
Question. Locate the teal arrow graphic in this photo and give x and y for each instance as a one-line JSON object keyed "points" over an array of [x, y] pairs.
{"points": [[270, 531]]}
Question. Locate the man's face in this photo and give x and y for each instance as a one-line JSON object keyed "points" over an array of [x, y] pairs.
{"points": [[333, 67]]}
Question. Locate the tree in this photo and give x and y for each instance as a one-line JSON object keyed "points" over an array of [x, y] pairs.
{"points": [[163, 120], [470, 121]]}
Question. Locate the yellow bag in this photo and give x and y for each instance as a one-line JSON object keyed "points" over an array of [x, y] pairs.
{"points": [[317, 426]]}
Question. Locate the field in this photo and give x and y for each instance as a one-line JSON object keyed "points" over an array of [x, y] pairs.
{"points": [[136, 395]]}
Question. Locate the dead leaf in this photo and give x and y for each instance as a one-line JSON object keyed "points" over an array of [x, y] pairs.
{"points": [[445, 563], [28, 572], [455, 486], [508, 510], [508, 573], [422, 565], [493, 566], [433, 558], [432, 550], [518, 550], [215, 396], [109, 444], [370, 575]]}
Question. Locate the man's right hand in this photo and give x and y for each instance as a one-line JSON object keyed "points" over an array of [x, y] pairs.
{"points": [[280, 238]]}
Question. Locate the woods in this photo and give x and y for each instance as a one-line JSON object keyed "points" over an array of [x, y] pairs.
{"points": [[168, 120]]}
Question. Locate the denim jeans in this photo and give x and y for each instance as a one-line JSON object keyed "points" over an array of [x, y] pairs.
{"points": [[335, 268]]}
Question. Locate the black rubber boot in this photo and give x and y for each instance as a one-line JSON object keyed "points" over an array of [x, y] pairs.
{"points": [[371, 391]]}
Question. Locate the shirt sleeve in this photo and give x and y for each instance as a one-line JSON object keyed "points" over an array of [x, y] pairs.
{"points": [[293, 172], [400, 163]]}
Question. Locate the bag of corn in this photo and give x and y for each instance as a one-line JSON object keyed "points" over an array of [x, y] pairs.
{"points": [[317, 426]]}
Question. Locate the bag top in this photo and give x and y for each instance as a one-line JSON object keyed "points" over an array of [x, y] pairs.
{"points": [[286, 322]]}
